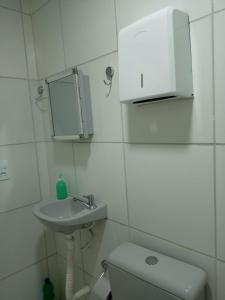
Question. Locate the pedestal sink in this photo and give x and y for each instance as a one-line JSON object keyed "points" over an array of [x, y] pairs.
{"points": [[67, 215]]}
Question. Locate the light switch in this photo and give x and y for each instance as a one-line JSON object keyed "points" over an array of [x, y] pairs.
{"points": [[4, 170]]}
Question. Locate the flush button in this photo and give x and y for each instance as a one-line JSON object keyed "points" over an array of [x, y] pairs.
{"points": [[151, 260]]}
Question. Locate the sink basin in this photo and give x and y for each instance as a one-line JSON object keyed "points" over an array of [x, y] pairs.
{"points": [[67, 215]]}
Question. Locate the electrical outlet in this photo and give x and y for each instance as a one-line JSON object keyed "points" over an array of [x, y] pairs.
{"points": [[4, 170]]}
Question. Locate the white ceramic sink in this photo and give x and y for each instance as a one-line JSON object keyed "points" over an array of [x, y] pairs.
{"points": [[68, 215]]}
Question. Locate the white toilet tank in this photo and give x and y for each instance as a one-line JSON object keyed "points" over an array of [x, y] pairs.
{"points": [[137, 273]]}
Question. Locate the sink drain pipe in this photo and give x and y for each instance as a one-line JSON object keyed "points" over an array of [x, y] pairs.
{"points": [[69, 289]]}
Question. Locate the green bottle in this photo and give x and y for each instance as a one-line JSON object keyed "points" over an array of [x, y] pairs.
{"points": [[48, 290], [61, 188]]}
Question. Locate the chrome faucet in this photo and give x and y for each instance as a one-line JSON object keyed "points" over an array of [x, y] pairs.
{"points": [[88, 200]]}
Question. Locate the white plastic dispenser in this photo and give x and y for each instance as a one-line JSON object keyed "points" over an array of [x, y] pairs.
{"points": [[155, 58]]}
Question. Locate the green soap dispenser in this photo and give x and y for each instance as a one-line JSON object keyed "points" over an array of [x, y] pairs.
{"points": [[61, 188], [48, 290]]}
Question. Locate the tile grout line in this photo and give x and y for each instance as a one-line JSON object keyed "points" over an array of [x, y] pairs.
{"points": [[7, 211], [109, 142], [17, 78], [214, 147], [15, 10], [31, 110], [80, 64], [39, 8], [27, 267], [123, 145], [200, 18], [17, 144], [163, 239], [62, 35], [80, 233], [37, 163], [116, 23], [218, 11]]}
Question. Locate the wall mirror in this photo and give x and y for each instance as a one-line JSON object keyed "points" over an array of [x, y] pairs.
{"points": [[71, 106]]}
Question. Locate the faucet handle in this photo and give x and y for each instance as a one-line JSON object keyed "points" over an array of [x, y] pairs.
{"points": [[91, 200]]}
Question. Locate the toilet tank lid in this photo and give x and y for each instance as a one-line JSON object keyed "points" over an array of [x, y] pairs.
{"points": [[174, 276]]}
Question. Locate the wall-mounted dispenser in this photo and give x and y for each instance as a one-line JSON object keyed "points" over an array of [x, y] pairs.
{"points": [[70, 106], [155, 58]]}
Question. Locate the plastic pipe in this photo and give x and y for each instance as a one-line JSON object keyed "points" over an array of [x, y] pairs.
{"points": [[84, 291], [69, 267]]}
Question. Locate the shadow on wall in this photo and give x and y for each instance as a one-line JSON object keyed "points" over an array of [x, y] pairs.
{"points": [[163, 122]]}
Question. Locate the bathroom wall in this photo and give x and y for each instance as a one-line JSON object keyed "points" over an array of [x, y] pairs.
{"points": [[27, 251], [160, 168]]}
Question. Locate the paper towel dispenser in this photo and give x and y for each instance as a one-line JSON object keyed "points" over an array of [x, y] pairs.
{"points": [[155, 58]]}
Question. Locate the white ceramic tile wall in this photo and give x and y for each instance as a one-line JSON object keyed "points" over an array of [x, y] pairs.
{"points": [[26, 248], [48, 39], [179, 185], [78, 47], [220, 280], [29, 46], [129, 11], [220, 208], [219, 42], [175, 184], [12, 50], [23, 187], [31, 6], [13, 4], [23, 241], [60, 160], [99, 170], [15, 119], [106, 110], [26, 284], [219, 4]]}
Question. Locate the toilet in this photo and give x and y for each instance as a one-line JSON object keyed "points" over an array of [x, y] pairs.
{"points": [[136, 273]]}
